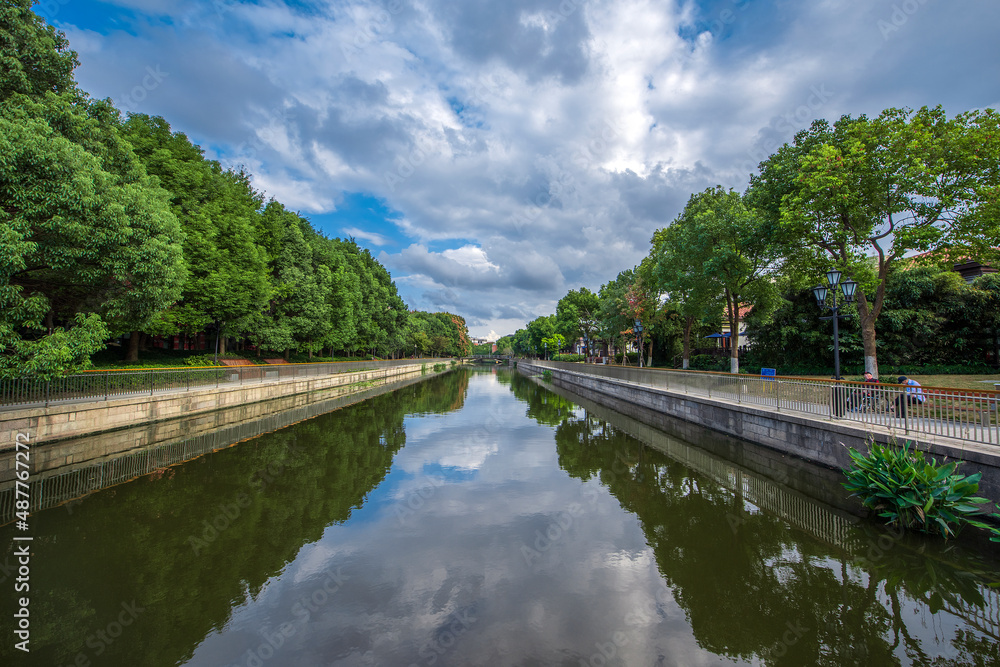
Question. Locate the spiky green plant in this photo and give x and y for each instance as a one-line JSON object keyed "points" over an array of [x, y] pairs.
{"points": [[909, 491]]}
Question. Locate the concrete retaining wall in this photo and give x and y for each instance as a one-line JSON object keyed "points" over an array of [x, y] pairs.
{"points": [[77, 419], [816, 440]]}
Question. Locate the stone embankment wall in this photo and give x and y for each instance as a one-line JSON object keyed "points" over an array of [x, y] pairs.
{"points": [[817, 440], [72, 420]]}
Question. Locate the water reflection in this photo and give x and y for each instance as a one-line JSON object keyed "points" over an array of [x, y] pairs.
{"points": [[754, 589], [480, 518], [179, 551]]}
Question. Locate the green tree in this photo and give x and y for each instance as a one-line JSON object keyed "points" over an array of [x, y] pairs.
{"points": [[577, 315], [735, 245], [693, 293], [614, 320], [228, 284], [35, 58], [538, 330], [88, 244], [884, 187]]}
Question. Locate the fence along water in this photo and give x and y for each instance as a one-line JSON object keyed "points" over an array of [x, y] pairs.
{"points": [[961, 414], [56, 487], [106, 385]]}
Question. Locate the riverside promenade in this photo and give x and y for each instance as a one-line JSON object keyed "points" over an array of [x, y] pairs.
{"points": [[808, 419], [88, 404]]}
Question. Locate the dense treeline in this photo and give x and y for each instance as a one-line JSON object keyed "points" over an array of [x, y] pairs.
{"points": [[113, 226], [893, 201]]}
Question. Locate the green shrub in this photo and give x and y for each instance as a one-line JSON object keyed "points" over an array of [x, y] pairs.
{"points": [[438, 368], [633, 358], [910, 492], [547, 376], [201, 360], [569, 357], [708, 362]]}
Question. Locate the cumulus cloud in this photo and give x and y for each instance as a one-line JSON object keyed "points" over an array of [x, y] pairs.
{"points": [[530, 146]]}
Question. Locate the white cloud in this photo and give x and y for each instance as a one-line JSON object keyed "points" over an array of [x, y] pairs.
{"points": [[550, 144]]}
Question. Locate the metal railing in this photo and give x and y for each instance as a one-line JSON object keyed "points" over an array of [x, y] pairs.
{"points": [[963, 414], [55, 487], [107, 385]]}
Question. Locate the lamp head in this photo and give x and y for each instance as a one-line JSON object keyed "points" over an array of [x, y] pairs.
{"points": [[820, 293], [849, 287], [833, 277]]}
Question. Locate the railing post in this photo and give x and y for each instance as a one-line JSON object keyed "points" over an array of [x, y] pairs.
{"points": [[48, 384], [107, 388]]}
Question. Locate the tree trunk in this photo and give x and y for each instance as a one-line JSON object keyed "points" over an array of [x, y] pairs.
{"points": [[867, 317], [222, 345], [688, 325], [287, 354], [132, 353], [649, 359], [733, 303]]}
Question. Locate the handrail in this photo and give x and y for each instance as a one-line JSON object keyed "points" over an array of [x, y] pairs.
{"points": [[117, 383], [965, 414]]}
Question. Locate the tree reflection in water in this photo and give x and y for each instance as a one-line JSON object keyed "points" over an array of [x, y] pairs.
{"points": [[754, 587]]}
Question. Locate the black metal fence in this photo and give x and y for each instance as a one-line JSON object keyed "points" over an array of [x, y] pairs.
{"points": [[107, 385]]}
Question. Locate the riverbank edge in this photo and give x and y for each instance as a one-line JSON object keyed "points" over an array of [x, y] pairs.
{"points": [[816, 440], [44, 425]]}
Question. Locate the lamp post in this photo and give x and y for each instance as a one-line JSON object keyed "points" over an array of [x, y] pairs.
{"points": [[546, 349], [638, 338], [821, 292], [586, 347]]}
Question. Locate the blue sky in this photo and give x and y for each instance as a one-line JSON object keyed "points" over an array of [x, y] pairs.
{"points": [[494, 155]]}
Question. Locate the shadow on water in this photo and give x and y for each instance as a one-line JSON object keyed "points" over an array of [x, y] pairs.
{"points": [[728, 542], [172, 554]]}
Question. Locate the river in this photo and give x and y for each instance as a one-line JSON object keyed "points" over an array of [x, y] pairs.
{"points": [[482, 518]]}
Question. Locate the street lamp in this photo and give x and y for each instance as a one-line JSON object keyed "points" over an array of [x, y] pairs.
{"points": [[586, 347], [546, 350], [638, 338], [821, 292]]}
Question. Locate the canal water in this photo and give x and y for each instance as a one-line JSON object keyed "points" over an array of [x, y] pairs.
{"points": [[485, 518]]}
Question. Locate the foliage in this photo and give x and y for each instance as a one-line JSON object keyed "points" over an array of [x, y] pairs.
{"points": [[913, 493], [569, 357], [720, 245], [884, 187], [439, 334], [553, 343], [88, 244], [692, 293], [577, 314]]}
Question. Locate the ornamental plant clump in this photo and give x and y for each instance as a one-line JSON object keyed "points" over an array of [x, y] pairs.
{"points": [[915, 494]]}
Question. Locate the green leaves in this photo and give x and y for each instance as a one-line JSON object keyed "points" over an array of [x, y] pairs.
{"points": [[908, 491]]}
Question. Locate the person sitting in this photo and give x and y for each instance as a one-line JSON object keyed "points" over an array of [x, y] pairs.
{"points": [[912, 394], [862, 396]]}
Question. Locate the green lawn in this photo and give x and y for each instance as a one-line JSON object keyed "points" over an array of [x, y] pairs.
{"points": [[979, 382]]}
